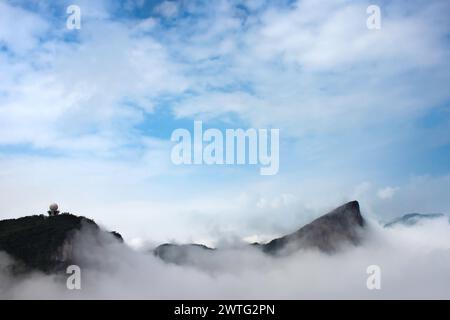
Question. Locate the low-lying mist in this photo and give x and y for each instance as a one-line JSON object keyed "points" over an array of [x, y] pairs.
{"points": [[414, 262]]}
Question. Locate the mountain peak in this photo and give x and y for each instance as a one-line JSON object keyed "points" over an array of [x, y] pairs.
{"points": [[326, 233], [349, 212]]}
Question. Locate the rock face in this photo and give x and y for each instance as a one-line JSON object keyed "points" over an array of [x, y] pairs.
{"points": [[327, 233], [41, 242]]}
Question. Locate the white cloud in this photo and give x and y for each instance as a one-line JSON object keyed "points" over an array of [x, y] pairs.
{"points": [[313, 70], [413, 261], [85, 97], [167, 9], [333, 35], [20, 30], [387, 192], [316, 68]]}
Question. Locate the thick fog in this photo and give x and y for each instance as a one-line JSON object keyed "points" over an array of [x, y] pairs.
{"points": [[414, 263]]}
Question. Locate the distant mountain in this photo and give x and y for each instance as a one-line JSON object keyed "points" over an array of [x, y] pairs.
{"points": [[41, 242], [46, 243], [179, 254], [413, 218], [327, 233]]}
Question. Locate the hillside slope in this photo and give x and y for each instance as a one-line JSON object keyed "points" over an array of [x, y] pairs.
{"points": [[41, 242]]}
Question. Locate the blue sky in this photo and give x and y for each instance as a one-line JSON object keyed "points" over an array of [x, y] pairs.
{"points": [[86, 115]]}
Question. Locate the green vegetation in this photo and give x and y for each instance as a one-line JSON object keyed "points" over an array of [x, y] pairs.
{"points": [[35, 241]]}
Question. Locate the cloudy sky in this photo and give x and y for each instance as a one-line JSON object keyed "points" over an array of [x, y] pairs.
{"points": [[86, 115]]}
